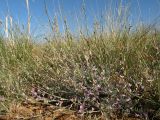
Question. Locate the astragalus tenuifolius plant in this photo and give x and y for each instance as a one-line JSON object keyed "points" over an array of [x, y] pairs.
{"points": [[114, 71]]}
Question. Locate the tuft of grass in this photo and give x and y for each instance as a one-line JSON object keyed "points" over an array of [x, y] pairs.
{"points": [[112, 72]]}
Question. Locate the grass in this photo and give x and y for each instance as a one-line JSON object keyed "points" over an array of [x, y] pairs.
{"points": [[113, 73]]}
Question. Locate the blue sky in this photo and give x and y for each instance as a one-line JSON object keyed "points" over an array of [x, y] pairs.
{"points": [[146, 10]]}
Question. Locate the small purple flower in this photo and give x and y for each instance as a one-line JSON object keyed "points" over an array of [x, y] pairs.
{"points": [[34, 92], [81, 108], [98, 87], [116, 105], [2, 99]]}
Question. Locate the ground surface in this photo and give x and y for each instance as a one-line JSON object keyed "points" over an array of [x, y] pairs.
{"points": [[41, 111]]}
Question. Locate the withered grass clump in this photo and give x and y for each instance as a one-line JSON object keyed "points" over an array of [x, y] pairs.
{"points": [[114, 72]]}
